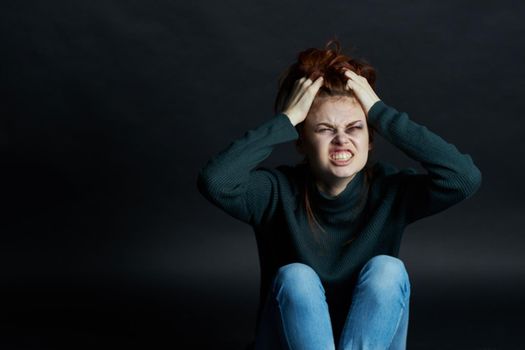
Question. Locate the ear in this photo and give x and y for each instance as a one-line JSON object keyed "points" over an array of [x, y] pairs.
{"points": [[370, 146]]}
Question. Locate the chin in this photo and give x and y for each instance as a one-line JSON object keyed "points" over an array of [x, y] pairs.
{"points": [[345, 172], [342, 173]]}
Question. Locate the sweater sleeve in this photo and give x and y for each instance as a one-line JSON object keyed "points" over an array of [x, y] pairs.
{"points": [[452, 176], [232, 181]]}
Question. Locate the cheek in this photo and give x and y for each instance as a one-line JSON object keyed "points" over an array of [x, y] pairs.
{"points": [[317, 150], [322, 146], [363, 139]]}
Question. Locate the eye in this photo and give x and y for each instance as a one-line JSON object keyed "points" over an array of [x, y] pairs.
{"points": [[355, 127], [324, 129]]}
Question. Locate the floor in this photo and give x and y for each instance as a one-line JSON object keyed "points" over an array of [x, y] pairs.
{"points": [[134, 316]]}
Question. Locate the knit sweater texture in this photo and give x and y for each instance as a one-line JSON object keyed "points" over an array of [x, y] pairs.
{"points": [[366, 219]]}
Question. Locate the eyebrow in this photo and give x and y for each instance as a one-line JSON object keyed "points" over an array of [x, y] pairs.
{"points": [[328, 124]]}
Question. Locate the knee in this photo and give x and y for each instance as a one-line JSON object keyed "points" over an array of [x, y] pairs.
{"points": [[386, 274], [297, 280]]}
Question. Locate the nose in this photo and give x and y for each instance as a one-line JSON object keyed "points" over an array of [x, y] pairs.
{"points": [[340, 139]]}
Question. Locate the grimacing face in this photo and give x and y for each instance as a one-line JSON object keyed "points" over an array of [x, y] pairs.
{"points": [[334, 138]]}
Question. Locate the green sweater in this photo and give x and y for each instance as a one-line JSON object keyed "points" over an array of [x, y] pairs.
{"points": [[366, 219]]}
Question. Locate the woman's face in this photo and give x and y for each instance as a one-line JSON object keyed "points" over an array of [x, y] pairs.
{"points": [[335, 140]]}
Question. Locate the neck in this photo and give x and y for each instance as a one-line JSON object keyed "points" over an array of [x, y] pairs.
{"points": [[335, 187]]}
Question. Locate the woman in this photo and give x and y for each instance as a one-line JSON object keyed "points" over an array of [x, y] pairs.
{"points": [[328, 230]]}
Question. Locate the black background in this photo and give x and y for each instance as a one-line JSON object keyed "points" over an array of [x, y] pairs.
{"points": [[110, 108]]}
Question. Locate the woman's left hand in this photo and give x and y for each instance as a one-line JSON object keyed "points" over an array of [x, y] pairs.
{"points": [[362, 89]]}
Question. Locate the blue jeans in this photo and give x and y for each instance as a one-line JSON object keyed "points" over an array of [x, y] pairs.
{"points": [[295, 315]]}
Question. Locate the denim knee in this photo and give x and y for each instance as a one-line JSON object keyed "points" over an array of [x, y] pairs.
{"points": [[385, 274], [297, 280]]}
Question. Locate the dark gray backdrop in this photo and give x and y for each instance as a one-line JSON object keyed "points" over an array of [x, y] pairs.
{"points": [[110, 108]]}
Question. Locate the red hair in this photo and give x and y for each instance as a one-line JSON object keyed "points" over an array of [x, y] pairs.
{"points": [[330, 63]]}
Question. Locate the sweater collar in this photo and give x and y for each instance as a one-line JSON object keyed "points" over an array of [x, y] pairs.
{"points": [[346, 205]]}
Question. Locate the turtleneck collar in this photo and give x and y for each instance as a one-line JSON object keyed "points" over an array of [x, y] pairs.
{"points": [[343, 207]]}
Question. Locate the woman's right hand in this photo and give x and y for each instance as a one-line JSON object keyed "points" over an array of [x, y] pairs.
{"points": [[301, 98]]}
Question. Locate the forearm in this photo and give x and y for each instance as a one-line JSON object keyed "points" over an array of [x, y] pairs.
{"points": [[445, 164], [229, 179]]}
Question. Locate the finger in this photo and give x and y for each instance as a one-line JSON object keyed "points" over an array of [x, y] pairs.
{"points": [[349, 71], [350, 74], [358, 78], [357, 82], [298, 82], [353, 75], [316, 85], [353, 85], [297, 85], [318, 82], [307, 82]]}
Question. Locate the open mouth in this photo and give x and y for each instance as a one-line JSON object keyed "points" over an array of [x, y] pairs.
{"points": [[341, 157]]}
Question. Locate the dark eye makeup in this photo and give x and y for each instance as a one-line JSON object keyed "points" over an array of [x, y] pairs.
{"points": [[331, 129]]}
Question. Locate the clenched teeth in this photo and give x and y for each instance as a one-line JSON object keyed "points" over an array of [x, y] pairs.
{"points": [[341, 155]]}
